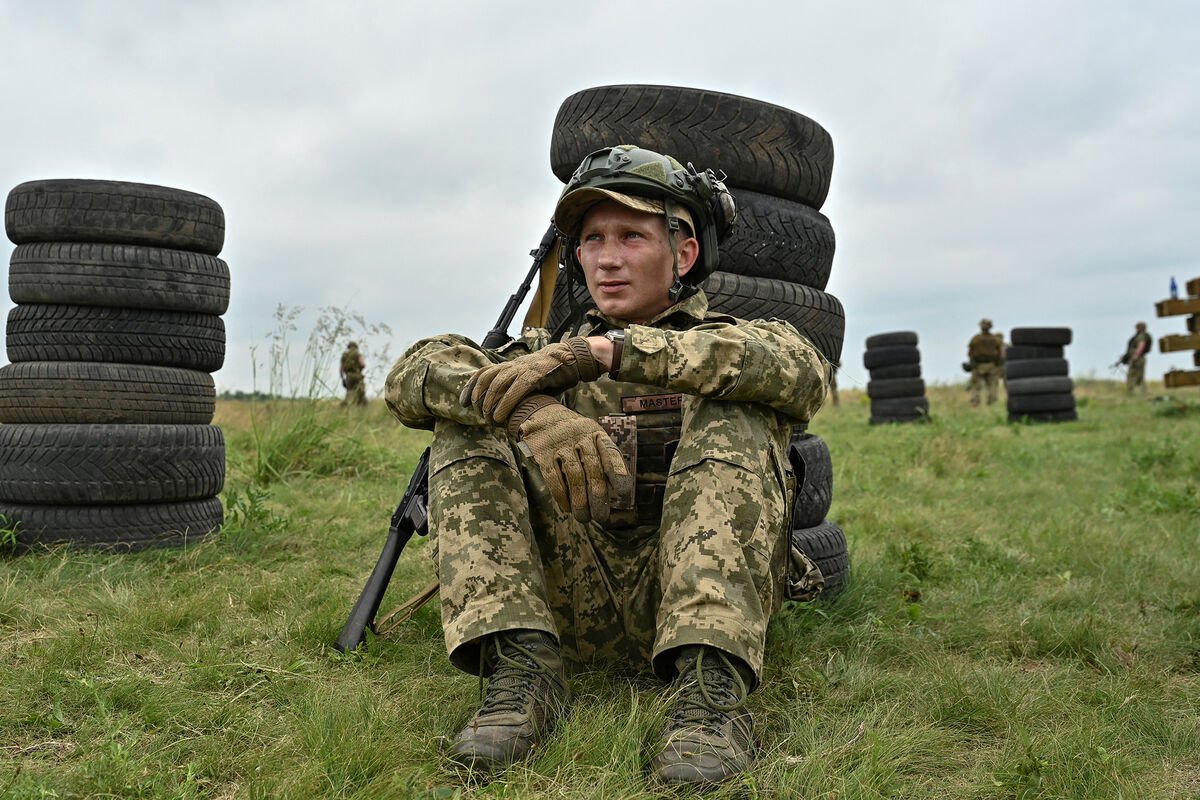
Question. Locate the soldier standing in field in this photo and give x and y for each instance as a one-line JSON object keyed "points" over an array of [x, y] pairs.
{"points": [[350, 368], [553, 544], [1135, 359], [985, 357]]}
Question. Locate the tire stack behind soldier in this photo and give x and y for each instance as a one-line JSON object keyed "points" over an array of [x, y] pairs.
{"points": [[776, 261]]}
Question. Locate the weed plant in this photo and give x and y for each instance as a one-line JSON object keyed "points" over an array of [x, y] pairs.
{"points": [[1023, 621]]}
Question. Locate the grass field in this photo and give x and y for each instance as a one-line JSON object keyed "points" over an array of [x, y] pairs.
{"points": [[1023, 622]]}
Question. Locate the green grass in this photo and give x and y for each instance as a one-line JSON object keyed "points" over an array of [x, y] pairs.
{"points": [[1023, 622]]}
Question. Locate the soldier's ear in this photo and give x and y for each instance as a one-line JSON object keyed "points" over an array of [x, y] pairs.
{"points": [[689, 254]]}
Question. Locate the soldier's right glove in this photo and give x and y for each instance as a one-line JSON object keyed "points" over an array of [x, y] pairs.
{"points": [[495, 390], [582, 467]]}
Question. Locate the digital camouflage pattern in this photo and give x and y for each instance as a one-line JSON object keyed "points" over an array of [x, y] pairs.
{"points": [[710, 571]]}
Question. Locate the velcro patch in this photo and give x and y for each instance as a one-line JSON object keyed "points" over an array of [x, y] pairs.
{"points": [[651, 403]]}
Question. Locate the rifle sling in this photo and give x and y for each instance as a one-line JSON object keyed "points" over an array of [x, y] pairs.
{"points": [[405, 611]]}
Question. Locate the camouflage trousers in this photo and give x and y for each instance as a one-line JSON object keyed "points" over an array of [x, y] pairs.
{"points": [[985, 375], [1135, 375], [356, 392], [711, 572]]}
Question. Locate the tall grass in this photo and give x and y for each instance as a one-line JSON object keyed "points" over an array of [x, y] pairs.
{"points": [[1023, 621], [298, 430]]}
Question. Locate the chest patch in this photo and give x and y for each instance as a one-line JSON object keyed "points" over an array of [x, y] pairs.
{"points": [[651, 403]]}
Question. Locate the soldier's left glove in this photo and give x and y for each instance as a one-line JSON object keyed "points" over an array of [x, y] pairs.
{"points": [[582, 467], [495, 390]]}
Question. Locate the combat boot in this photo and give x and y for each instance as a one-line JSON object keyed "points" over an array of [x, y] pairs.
{"points": [[708, 736], [526, 694]]}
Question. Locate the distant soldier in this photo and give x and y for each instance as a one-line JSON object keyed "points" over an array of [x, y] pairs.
{"points": [[351, 371], [1135, 359], [985, 357]]}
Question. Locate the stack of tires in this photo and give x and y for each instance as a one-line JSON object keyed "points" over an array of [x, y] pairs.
{"points": [[1036, 376], [896, 389], [106, 405], [821, 539], [777, 259]]}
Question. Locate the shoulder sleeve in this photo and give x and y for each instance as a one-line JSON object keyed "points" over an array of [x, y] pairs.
{"points": [[424, 384], [763, 361]]}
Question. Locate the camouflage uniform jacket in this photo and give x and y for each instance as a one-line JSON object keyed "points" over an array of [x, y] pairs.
{"points": [[352, 363], [1131, 349], [986, 348], [684, 349]]}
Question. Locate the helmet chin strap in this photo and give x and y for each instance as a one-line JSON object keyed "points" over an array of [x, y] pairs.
{"points": [[678, 288]]}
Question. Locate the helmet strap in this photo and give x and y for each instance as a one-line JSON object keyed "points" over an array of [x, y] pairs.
{"points": [[677, 287]]}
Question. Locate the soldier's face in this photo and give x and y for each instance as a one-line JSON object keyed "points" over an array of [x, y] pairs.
{"points": [[626, 261]]}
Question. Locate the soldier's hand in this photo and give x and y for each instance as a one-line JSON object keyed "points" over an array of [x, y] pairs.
{"points": [[495, 390], [582, 467]]}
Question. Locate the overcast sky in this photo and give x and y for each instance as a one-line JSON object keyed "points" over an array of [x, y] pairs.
{"points": [[1037, 163]]}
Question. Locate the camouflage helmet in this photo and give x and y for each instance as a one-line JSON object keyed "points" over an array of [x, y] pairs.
{"points": [[985, 323], [631, 172]]}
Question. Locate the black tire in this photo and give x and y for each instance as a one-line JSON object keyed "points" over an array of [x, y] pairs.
{"points": [[817, 315], [779, 239], [891, 356], [888, 420], [118, 212], [895, 371], [121, 276], [83, 392], [825, 544], [110, 464], [761, 147], [896, 387], [1040, 337], [116, 335], [1046, 384], [907, 407], [809, 457], [892, 339], [1040, 403], [128, 527], [1035, 368], [1025, 352], [1046, 416]]}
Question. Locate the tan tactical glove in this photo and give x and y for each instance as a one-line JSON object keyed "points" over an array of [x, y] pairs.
{"points": [[581, 465], [495, 390]]}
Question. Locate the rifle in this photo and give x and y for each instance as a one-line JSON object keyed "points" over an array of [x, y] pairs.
{"points": [[411, 515]]}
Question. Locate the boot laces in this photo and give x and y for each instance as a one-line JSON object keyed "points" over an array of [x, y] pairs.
{"points": [[512, 686], [711, 690]]}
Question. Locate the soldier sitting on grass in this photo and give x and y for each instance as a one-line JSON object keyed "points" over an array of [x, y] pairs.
{"points": [[549, 545]]}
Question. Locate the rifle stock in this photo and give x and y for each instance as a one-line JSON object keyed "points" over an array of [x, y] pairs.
{"points": [[410, 515]]}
